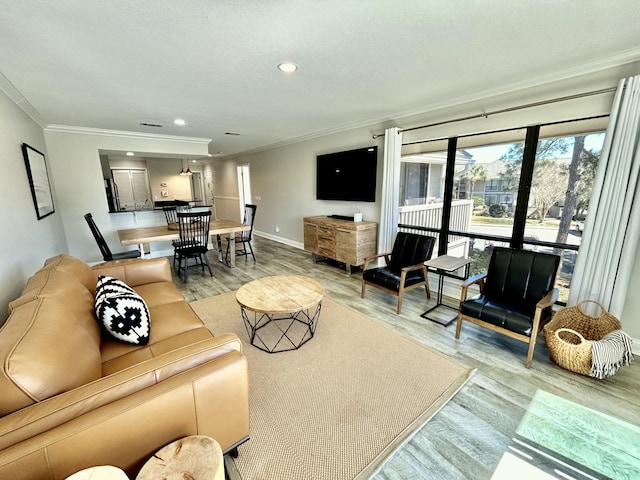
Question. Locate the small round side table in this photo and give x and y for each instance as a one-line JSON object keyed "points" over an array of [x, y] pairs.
{"points": [[198, 457], [102, 472]]}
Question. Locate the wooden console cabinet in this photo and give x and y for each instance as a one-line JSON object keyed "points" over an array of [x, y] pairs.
{"points": [[342, 240]]}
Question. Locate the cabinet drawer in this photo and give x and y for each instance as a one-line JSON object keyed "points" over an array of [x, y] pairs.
{"points": [[327, 243], [326, 232], [310, 237]]}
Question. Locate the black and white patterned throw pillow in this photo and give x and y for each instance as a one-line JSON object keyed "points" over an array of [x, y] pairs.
{"points": [[122, 312]]}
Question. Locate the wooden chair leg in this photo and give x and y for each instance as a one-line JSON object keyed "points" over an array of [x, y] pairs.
{"points": [[400, 293], [458, 326], [426, 282], [535, 328], [207, 264], [532, 347]]}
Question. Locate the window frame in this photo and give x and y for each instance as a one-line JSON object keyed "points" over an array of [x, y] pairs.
{"points": [[517, 238]]}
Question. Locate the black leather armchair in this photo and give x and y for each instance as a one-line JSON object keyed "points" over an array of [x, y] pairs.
{"points": [[405, 268], [516, 295]]}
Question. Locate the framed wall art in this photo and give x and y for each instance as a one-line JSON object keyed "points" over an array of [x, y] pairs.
{"points": [[38, 181]]}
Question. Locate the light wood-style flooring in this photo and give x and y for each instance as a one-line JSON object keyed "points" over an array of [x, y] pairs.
{"points": [[468, 436]]}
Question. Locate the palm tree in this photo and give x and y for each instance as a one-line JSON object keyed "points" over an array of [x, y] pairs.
{"points": [[475, 174]]}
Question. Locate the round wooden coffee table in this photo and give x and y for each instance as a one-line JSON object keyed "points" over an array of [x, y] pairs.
{"points": [[281, 312]]}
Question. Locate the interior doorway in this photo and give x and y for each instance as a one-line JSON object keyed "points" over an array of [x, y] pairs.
{"points": [[244, 188], [196, 188]]}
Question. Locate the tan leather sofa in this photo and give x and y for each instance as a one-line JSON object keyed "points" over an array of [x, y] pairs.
{"points": [[71, 397]]}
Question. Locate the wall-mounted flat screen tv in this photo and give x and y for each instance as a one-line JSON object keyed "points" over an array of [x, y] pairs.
{"points": [[349, 175]]}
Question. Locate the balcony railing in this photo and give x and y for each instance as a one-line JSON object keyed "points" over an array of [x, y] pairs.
{"points": [[430, 216]]}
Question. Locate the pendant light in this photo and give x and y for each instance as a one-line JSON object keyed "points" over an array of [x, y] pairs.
{"points": [[182, 170]]}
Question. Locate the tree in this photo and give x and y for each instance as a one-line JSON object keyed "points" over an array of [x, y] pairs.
{"points": [[578, 176], [548, 186], [587, 177], [548, 148], [475, 174], [571, 195]]}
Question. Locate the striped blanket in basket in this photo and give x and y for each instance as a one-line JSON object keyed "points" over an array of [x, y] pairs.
{"points": [[610, 353]]}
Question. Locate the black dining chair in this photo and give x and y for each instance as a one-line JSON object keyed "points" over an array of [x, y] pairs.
{"points": [[107, 255], [171, 215], [193, 242], [244, 237]]}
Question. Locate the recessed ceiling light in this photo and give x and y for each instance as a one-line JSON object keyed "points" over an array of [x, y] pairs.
{"points": [[287, 67], [130, 154], [179, 121]]}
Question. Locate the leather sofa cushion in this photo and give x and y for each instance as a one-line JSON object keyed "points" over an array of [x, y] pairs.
{"points": [[159, 293], [137, 272], [46, 349], [166, 321], [60, 285], [410, 249], [77, 268], [518, 279], [386, 278], [139, 355], [507, 316]]}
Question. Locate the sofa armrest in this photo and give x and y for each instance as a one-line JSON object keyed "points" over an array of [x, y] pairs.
{"points": [[62, 408], [211, 399], [135, 272]]}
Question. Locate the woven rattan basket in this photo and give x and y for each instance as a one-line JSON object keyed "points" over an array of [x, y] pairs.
{"points": [[570, 333]]}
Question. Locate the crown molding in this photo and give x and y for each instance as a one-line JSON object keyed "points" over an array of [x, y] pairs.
{"points": [[592, 67], [12, 92], [587, 68], [124, 134]]}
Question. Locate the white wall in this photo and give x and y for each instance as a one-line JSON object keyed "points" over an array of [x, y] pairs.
{"points": [[166, 170], [26, 241], [283, 185], [75, 162]]}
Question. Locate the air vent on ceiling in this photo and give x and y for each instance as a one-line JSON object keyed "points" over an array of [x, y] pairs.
{"points": [[149, 124]]}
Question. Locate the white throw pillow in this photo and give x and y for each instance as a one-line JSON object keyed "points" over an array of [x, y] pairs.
{"points": [[121, 311]]}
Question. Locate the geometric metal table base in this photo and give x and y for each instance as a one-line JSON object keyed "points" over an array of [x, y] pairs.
{"points": [[431, 314], [442, 264], [275, 333]]}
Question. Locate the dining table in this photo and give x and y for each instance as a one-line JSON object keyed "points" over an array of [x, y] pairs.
{"points": [[143, 236]]}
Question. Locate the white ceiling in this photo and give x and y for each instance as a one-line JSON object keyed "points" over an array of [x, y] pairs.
{"points": [[114, 64]]}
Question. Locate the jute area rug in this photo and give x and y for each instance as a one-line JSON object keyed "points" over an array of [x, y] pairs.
{"points": [[338, 407]]}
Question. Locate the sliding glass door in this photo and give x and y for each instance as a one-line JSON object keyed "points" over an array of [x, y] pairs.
{"points": [[524, 188]]}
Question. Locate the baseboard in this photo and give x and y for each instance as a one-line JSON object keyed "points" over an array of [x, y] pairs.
{"points": [[635, 347], [276, 238]]}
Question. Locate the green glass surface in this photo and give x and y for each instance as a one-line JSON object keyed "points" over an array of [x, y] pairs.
{"points": [[600, 442]]}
